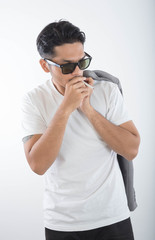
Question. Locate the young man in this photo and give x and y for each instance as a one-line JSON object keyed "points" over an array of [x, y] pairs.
{"points": [[72, 133]]}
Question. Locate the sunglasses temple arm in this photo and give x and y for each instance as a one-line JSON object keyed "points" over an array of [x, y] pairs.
{"points": [[52, 63]]}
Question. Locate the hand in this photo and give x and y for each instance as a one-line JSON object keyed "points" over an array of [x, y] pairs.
{"points": [[85, 103], [75, 92]]}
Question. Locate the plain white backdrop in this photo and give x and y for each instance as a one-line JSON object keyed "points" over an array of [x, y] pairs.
{"points": [[120, 38]]}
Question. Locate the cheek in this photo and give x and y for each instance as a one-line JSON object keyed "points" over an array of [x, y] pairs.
{"points": [[59, 77], [63, 79], [55, 71]]}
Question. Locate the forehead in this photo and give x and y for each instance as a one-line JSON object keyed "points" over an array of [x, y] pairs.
{"points": [[69, 51]]}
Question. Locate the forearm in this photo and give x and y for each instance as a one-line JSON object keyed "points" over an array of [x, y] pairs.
{"points": [[45, 150], [118, 138]]}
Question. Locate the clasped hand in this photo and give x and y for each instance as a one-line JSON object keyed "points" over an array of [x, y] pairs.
{"points": [[77, 94]]}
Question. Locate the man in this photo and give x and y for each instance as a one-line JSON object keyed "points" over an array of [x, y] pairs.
{"points": [[73, 129]]}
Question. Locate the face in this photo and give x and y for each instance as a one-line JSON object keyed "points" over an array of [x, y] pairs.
{"points": [[69, 52]]}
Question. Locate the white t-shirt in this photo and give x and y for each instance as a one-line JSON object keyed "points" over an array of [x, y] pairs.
{"points": [[84, 188]]}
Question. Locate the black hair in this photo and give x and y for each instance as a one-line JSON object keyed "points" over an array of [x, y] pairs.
{"points": [[57, 34]]}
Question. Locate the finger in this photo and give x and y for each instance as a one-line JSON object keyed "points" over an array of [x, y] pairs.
{"points": [[79, 84], [90, 81], [76, 79], [83, 89], [84, 94]]}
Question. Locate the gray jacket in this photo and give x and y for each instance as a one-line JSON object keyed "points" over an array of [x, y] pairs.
{"points": [[125, 165]]}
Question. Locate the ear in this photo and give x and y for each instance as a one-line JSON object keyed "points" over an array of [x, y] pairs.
{"points": [[44, 65]]}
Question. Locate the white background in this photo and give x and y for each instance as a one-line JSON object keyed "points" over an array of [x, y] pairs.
{"points": [[120, 38]]}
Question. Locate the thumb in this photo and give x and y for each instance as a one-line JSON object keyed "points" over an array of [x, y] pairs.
{"points": [[90, 81]]}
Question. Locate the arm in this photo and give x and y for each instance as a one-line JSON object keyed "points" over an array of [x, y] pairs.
{"points": [[42, 149], [123, 139]]}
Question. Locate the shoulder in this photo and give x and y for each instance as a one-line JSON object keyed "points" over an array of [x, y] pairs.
{"points": [[104, 79], [105, 87], [38, 93]]}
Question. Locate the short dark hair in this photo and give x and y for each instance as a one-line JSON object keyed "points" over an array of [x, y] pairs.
{"points": [[57, 34]]}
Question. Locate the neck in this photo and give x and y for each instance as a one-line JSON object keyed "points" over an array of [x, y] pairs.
{"points": [[60, 89]]}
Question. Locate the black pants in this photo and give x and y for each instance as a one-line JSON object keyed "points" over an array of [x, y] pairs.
{"points": [[118, 231]]}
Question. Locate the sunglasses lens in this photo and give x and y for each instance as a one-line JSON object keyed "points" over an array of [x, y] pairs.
{"points": [[83, 64], [68, 68]]}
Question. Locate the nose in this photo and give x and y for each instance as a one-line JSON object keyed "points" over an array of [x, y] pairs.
{"points": [[77, 71]]}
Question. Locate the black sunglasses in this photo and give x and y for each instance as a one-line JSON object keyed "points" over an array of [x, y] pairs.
{"points": [[70, 67]]}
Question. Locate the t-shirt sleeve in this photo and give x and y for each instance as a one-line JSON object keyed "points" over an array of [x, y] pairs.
{"points": [[31, 119], [117, 112]]}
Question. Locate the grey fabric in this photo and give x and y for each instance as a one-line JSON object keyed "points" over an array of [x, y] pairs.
{"points": [[125, 165]]}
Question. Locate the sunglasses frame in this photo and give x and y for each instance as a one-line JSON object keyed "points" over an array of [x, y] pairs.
{"points": [[75, 64]]}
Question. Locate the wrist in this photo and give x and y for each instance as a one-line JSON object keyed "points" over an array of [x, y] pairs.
{"points": [[88, 110], [65, 110]]}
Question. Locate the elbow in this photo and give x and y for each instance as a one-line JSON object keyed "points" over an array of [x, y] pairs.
{"points": [[39, 172], [134, 150], [130, 156], [39, 165], [35, 167]]}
